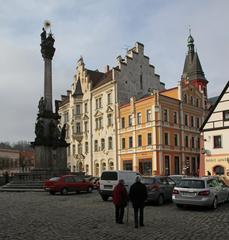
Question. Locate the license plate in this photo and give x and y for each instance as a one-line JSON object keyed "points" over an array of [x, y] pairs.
{"points": [[188, 194], [108, 186]]}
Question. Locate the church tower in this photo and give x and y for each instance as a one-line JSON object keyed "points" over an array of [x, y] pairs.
{"points": [[193, 71]]}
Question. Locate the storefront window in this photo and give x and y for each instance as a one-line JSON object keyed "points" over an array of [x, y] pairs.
{"points": [[127, 165], [145, 167]]}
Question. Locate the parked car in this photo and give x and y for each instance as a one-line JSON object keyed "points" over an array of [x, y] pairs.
{"points": [[177, 178], [67, 183], [200, 191], [160, 188]]}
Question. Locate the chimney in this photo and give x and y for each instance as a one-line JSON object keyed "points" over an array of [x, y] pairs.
{"points": [[107, 67], [69, 92]]}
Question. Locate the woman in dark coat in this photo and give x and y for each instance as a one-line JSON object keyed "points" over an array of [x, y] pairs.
{"points": [[138, 195], [120, 199]]}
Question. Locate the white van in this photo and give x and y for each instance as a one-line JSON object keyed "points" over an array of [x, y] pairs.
{"points": [[109, 179]]}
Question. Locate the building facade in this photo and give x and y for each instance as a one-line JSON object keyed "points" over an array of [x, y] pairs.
{"points": [[215, 131], [90, 108], [159, 134]]}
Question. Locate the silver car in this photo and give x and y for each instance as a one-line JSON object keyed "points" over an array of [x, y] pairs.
{"points": [[201, 191]]}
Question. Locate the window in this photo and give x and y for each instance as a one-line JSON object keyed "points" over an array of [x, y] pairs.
{"points": [[130, 142], [217, 141], [77, 109], [80, 148], [167, 165], [130, 122], [139, 140], [96, 145], [175, 117], [102, 144], [139, 118], [186, 141], [98, 103], [86, 147], [141, 82], [185, 98], [99, 122], [186, 119], [123, 143], [191, 100], [77, 127], [127, 165], [86, 126], [123, 122], [73, 149], [110, 144], [197, 122], [148, 115], [109, 101], [85, 107], [226, 115], [192, 121], [193, 142], [109, 120], [197, 102], [149, 138], [65, 117], [166, 135], [176, 140], [165, 115], [176, 165], [198, 143]]}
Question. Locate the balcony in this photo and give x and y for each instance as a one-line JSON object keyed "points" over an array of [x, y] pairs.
{"points": [[78, 136]]}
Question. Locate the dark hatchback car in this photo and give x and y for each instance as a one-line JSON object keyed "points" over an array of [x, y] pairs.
{"points": [[159, 188], [66, 184]]}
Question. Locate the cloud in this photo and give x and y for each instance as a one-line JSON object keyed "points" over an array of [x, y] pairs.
{"points": [[100, 31]]}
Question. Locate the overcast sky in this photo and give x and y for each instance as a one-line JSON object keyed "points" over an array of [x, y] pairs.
{"points": [[100, 30]]}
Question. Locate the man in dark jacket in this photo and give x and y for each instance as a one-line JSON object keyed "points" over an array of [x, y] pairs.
{"points": [[120, 199], [138, 195]]}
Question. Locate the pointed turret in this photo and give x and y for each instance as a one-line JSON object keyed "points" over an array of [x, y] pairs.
{"points": [[78, 90], [192, 70]]}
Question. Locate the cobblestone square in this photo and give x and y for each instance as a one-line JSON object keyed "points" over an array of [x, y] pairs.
{"points": [[40, 216]]}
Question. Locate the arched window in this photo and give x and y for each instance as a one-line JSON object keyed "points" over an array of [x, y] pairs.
{"points": [[104, 166], [111, 166], [218, 170]]}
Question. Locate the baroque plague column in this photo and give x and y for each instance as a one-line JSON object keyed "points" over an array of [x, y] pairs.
{"points": [[50, 145]]}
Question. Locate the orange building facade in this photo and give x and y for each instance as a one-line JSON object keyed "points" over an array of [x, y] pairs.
{"points": [[159, 134]]}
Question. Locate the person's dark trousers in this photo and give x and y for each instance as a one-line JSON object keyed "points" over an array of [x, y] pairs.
{"points": [[119, 213], [141, 216]]}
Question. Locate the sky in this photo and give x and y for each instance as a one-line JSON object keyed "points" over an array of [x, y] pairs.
{"points": [[100, 30]]}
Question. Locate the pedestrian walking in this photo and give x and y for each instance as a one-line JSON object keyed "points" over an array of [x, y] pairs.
{"points": [[138, 195], [120, 200]]}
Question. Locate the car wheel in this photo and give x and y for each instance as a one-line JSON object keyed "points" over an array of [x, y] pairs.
{"points": [[51, 192], [215, 203], [64, 191], [89, 190], [160, 200], [179, 205], [104, 197]]}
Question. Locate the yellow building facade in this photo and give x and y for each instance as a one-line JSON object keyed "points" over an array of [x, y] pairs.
{"points": [[159, 134]]}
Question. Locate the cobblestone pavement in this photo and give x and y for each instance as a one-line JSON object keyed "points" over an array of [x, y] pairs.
{"points": [[40, 216]]}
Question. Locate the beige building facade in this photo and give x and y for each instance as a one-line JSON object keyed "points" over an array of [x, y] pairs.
{"points": [[90, 108]]}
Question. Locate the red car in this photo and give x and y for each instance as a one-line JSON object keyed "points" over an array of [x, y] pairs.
{"points": [[67, 183]]}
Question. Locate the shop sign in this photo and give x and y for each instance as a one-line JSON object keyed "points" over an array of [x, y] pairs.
{"points": [[218, 160]]}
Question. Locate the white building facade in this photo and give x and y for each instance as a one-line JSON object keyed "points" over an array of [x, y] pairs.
{"points": [[215, 131], [89, 110]]}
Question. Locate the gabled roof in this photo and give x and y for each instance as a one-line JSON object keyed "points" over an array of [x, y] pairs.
{"points": [[214, 106]]}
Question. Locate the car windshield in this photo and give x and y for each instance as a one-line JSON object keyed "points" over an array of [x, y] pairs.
{"points": [[55, 179], [191, 184], [148, 180], [109, 176]]}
